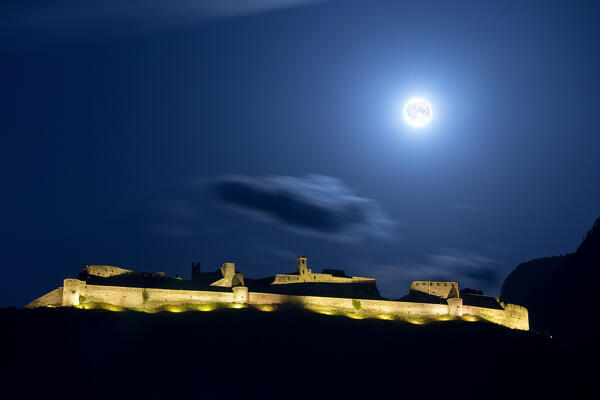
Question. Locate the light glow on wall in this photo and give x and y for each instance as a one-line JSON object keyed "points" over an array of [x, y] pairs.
{"points": [[321, 311], [206, 307], [354, 316], [86, 306], [112, 307], [266, 308]]}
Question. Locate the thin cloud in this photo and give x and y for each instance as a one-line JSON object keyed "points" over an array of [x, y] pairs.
{"points": [[471, 270], [127, 16], [315, 204]]}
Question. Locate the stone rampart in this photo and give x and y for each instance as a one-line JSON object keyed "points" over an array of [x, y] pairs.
{"points": [[335, 304], [52, 299], [282, 279], [148, 298], [105, 271], [441, 289], [513, 316], [76, 292], [73, 289]]}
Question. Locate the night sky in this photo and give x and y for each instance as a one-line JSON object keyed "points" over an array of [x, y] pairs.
{"points": [[149, 136]]}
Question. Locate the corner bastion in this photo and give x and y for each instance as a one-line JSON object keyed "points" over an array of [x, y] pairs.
{"points": [[118, 289]]}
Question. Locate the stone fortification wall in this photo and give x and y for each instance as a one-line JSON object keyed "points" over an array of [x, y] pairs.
{"points": [[76, 292], [513, 316], [52, 299], [73, 290], [441, 289], [105, 271], [310, 277], [148, 298], [305, 274], [334, 304]]}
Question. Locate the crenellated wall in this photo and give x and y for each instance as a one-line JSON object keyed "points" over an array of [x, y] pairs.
{"points": [[441, 289]]}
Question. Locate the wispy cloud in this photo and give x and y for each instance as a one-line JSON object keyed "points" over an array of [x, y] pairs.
{"points": [[471, 270], [315, 204], [132, 16], [474, 269]]}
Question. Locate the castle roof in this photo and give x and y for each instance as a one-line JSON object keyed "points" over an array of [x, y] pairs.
{"points": [[478, 300]]}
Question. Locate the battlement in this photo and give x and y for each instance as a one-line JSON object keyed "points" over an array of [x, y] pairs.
{"points": [[441, 289]]}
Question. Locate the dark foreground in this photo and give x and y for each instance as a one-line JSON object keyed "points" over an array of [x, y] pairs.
{"points": [[245, 354]]}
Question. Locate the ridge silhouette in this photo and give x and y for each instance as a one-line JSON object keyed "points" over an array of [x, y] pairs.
{"points": [[560, 292]]}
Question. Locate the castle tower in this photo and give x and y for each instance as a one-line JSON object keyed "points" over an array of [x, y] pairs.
{"points": [[240, 294], [196, 271], [302, 268], [72, 290], [455, 303]]}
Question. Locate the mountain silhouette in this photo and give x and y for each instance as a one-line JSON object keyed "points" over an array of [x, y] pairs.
{"points": [[560, 292], [528, 276]]}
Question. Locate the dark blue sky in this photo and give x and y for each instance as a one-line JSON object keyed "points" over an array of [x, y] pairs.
{"points": [[151, 140]]}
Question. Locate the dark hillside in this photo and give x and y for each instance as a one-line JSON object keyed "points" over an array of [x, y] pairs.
{"points": [[95, 354], [560, 292], [528, 276], [566, 303]]}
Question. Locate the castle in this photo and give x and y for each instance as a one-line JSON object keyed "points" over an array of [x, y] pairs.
{"points": [[329, 292]]}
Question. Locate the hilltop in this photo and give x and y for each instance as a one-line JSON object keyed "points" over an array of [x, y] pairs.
{"points": [[248, 353]]}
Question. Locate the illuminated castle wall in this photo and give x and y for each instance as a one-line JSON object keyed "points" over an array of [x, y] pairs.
{"points": [[79, 293], [441, 289]]}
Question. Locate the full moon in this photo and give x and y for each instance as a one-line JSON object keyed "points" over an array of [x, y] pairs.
{"points": [[417, 112]]}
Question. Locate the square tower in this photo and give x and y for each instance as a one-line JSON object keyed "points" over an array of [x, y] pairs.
{"points": [[302, 268]]}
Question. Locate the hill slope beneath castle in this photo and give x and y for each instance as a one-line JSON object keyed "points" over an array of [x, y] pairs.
{"points": [[251, 354]]}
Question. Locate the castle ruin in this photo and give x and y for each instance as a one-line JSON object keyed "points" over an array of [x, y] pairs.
{"points": [[330, 292]]}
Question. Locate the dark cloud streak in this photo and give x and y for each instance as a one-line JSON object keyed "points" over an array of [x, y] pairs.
{"points": [[315, 204]]}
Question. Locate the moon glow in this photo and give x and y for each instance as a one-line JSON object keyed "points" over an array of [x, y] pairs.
{"points": [[417, 112]]}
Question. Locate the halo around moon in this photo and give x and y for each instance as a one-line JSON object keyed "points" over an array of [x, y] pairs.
{"points": [[417, 112]]}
